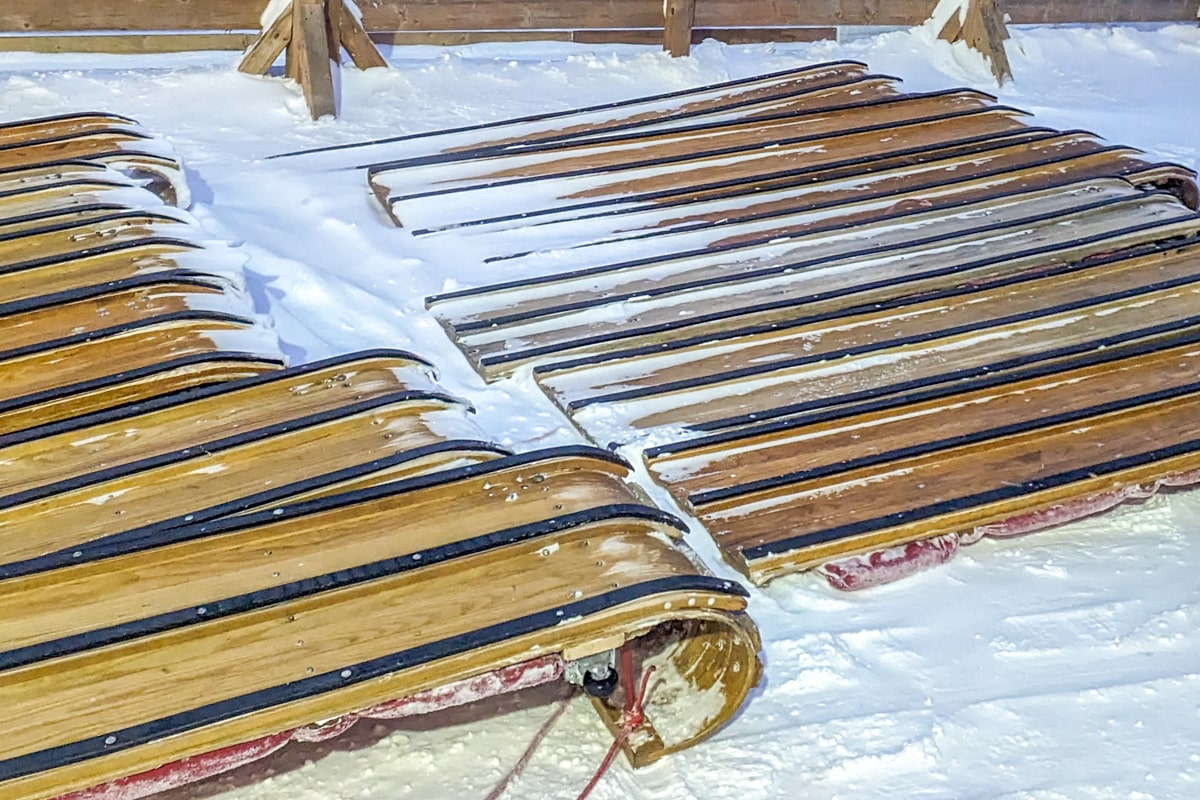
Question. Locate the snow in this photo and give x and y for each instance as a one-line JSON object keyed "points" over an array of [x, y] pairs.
{"points": [[1064, 664]]}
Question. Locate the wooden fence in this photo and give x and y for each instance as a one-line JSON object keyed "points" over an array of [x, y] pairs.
{"points": [[149, 25]]}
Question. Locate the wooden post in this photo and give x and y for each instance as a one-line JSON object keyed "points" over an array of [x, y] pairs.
{"points": [[313, 33], [981, 25], [680, 16]]}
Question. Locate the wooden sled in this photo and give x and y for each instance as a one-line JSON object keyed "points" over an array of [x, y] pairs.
{"points": [[206, 555], [841, 328]]}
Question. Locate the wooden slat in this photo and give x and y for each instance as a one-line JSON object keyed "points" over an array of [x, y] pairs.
{"points": [[126, 43], [139, 434], [194, 480], [172, 376], [703, 473], [466, 15], [138, 347]]}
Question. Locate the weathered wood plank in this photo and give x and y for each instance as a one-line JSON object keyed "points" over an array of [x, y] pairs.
{"points": [[126, 42], [469, 15], [677, 32], [359, 47], [269, 46], [310, 49]]}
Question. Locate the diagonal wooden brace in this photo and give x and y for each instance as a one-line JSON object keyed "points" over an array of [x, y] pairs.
{"points": [[313, 32], [981, 25]]}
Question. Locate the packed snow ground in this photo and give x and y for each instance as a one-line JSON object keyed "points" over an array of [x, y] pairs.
{"points": [[1062, 665]]}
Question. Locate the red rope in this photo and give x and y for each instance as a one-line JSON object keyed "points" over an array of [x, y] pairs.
{"points": [[632, 716], [519, 767]]}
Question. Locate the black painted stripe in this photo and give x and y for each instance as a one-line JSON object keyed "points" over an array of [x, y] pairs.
{"points": [[716, 152], [167, 279], [81, 184], [129, 327], [740, 276], [558, 145], [768, 181], [117, 216], [62, 211], [654, 98], [117, 378], [1130, 344], [1065, 180], [958, 375], [163, 534], [177, 724], [219, 445], [902, 301], [294, 590], [799, 205], [73, 163], [949, 443], [80, 115], [875, 347], [98, 250], [148, 536], [200, 392], [973, 500], [962, 289], [71, 136]]}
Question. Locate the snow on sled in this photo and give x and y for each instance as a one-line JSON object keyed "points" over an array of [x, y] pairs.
{"points": [[873, 325], [206, 555]]}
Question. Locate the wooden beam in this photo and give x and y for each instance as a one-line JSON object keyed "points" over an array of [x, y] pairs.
{"points": [[267, 48], [679, 16], [353, 37], [126, 42], [310, 52], [981, 25]]}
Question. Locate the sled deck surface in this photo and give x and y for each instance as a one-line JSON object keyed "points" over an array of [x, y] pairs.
{"points": [[860, 320], [209, 553], [731, 100], [573, 559]]}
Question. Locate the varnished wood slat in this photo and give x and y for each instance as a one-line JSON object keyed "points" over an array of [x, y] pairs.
{"points": [[291, 395], [866, 170], [67, 240], [1062, 160], [113, 309], [495, 354], [955, 491], [140, 347], [70, 147], [85, 266], [57, 403], [847, 154], [915, 362], [714, 616], [639, 111], [252, 558], [736, 464], [842, 112], [170, 486], [674, 299], [875, 332]]}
